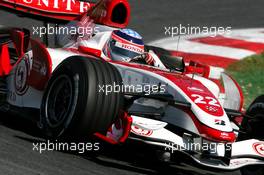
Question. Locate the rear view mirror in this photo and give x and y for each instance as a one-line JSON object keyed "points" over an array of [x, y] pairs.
{"points": [[172, 62]]}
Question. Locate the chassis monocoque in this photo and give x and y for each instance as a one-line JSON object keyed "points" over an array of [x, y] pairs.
{"points": [[182, 110]]}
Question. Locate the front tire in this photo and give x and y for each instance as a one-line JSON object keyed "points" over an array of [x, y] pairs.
{"points": [[74, 106], [254, 130]]}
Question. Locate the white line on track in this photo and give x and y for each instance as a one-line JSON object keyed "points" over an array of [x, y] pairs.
{"points": [[195, 47]]}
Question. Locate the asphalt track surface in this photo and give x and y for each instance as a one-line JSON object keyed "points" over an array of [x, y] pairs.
{"points": [[149, 18]]}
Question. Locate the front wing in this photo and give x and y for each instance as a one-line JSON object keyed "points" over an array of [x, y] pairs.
{"points": [[204, 153]]}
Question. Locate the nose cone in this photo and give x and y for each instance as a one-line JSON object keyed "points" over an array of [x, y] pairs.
{"points": [[206, 111]]}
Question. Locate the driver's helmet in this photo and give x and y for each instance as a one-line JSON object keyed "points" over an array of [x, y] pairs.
{"points": [[124, 45]]}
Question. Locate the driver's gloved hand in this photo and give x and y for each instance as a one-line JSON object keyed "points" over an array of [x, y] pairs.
{"points": [[146, 57], [149, 59]]}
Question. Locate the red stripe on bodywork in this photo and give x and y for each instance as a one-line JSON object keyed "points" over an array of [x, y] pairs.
{"points": [[230, 42], [88, 50], [211, 60], [5, 66]]}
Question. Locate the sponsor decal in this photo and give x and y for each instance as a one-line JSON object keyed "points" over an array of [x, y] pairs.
{"points": [[195, 89], [139, 131], [224, 134], [208, 103], [198, 99], [211, 108], [238, 162], [129, 47], [259, 148], [54, 5], [40, 67], [220, 122]]}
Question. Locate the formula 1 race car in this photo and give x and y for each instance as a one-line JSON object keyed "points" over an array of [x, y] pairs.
{"points": [[183, 110]]}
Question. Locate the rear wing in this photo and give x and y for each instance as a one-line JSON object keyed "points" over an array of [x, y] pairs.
{"points": [[114, 13]]}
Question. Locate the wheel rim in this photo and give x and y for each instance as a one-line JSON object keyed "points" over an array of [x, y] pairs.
{"points": [[59, 101]]}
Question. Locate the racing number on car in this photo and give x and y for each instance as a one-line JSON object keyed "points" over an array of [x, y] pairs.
{"points": [[205, 100]]}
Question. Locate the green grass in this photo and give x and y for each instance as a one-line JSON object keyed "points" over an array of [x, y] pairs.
{"points": [[249, 73]]}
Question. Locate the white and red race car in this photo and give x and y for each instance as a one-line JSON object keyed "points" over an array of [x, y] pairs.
{"points": [[75, 92]]}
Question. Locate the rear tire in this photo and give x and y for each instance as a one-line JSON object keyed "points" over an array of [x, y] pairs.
{"points": [[254, 130], [73, 105], [3, 91]]}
